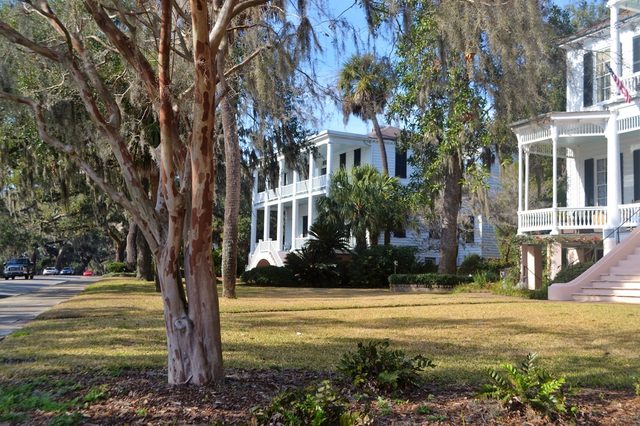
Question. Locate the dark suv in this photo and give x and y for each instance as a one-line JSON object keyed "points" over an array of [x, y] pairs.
{"points": [[20, 267]]}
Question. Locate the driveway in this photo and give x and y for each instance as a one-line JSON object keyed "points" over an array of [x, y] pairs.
{"points": [[22, 300]]}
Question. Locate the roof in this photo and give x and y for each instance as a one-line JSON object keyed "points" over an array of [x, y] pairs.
{"points": [[601, 25], [388, 133]]}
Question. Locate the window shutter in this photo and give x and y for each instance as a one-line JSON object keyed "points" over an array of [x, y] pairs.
{"points": [[587, 76], [621, 179], [588, 183], [356, 157], [343, 160], [636, 175]]}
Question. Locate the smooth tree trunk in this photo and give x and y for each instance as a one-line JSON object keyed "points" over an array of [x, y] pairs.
{"points": [[132, 247], [193, 327], [452, 198], [383, 150], [232, 192]]}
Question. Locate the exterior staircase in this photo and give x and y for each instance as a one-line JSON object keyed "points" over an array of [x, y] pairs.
{"points": [[615, 278]]}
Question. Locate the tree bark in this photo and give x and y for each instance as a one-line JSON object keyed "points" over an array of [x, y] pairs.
{"points": [[383, 150], [452, 198], [132, 252], [232, 191], [144, 261]]}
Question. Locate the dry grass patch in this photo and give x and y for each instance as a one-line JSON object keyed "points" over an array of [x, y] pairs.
{"points": [[117, 324]]}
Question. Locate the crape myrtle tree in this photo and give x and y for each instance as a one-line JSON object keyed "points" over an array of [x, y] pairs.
{"points": [[156, 42]]}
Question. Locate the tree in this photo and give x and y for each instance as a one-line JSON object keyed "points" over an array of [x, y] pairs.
{"points": [[176, 220], [365, 84], [364, 200], [443, 115]]}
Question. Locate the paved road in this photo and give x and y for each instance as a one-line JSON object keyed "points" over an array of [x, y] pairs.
{"points": [[22, 300]]}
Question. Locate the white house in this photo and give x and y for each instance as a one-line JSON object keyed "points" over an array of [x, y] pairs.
{"points": [[598, 138], [292, 200]]}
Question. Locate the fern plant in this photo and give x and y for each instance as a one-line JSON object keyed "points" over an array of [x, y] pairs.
{"points": [[374, 366], [527, 386]]}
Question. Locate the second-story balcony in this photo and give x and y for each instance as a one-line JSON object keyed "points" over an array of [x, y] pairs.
{"points": [[318, 183]]}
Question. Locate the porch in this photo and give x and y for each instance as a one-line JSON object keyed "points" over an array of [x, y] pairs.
{"points": [[599, 150]]}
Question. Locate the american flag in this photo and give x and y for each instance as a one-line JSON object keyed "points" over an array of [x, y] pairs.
{"points": [[623, 90]]}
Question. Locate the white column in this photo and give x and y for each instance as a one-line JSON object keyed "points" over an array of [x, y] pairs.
{"points": [[265, 232], [279, 224], [310, 197], [520, 182], [329, 165], [254, 213], [554, 205], [614, 48], [526, 180], [613, 183], [294, 212]]}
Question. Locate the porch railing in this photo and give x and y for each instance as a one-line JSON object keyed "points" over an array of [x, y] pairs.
{"points": [[301, 187], [565, 218]]}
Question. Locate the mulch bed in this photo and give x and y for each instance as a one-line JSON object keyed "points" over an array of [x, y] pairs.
{"points": [[144, 398]]}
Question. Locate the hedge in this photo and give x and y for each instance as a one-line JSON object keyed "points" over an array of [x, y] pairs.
{"points": [[429, 280], [269, 276]]}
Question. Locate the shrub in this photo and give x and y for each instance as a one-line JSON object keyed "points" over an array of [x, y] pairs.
{"points": [[315, 405], [371, 268], [269, 276], [312, 271], [115, 267], [474, 263], [571, 272], [527, 386], [471, 264], [374, 366], [430, 280]]}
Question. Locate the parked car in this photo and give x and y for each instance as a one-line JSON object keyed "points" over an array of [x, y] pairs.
{"points": [[19, 267], [67, 270], [87, 273], [50, 271]]}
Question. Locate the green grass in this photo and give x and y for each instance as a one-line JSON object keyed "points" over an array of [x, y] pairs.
{"points": [[117, 324]]}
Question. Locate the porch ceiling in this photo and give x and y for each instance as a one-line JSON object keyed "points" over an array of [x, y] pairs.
{"points": [[632, 5]]}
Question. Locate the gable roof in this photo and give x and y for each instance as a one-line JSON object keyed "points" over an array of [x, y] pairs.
{"points": [[388, 133]]}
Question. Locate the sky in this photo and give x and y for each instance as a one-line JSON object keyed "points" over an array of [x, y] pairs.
{"points": [[330, 63]]}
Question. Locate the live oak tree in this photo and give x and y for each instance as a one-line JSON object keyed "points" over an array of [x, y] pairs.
{"points": [[154, 42]]}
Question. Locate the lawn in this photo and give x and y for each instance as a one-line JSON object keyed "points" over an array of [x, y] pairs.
{"points": [[117, 324]]}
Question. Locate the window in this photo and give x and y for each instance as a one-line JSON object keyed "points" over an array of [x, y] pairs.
{"points": [[601, 182], [401, 164], [602, 77], [343, 160], [400, 233], [468, 235], [356, 157], [323, 170]]}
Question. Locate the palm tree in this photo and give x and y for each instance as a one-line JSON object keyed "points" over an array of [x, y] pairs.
{"points": [[364, 200], [365, 84]]}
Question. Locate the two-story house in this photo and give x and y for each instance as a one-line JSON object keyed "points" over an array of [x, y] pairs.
{"points": [[598, 139], [283, 211]]}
